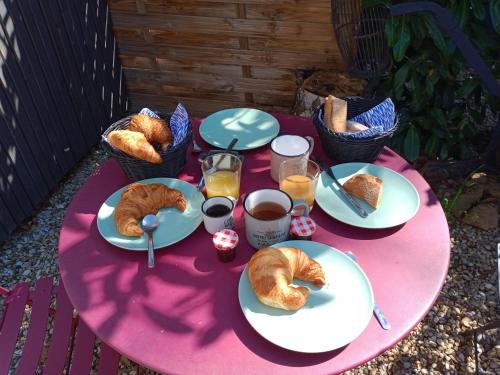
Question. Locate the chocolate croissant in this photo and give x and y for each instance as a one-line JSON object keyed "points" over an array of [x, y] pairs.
{"points": [[134, 144], [271, 271], [154, 129], [138, 200]]}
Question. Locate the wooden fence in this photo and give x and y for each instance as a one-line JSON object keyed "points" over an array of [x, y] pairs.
{"points": [[214, 54], [60, 87]]}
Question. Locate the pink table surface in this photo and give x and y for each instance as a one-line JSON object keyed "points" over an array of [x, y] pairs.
{"points": [[183, 316]]}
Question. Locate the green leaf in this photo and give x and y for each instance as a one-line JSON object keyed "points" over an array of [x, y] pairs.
{"points": [[401, 75], [437, 115], [432, 146], [443, 153], [460, 10], [467, 87], [478, 9], [412, 144], [390, 30], [451, 47], [495, 14], [429, 87], [418, 26], [403, 37], [435, 32]]}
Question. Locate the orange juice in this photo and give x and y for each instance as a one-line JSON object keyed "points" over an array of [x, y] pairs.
{"points": [[299, 187], [223, 183]]}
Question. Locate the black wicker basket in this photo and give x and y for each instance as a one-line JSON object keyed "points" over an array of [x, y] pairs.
{"points": [[344, 149], [174, 158]]}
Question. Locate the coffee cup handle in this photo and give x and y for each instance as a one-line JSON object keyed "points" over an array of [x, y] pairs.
{"points": [[301, 203], [311, 142]]}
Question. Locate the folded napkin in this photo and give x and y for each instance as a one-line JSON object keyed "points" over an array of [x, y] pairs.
{"points": [[379, 120], [179, 122]]}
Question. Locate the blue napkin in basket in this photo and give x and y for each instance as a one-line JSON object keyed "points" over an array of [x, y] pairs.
{"points": [[179, 122], [379, 120]]}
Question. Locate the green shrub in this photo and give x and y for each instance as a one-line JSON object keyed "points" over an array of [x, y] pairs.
{"points": [[441, 99]]}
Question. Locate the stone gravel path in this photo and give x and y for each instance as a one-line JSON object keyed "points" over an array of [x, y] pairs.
{"points": [[436, 346]]}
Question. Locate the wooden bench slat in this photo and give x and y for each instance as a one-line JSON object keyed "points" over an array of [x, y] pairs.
{"points": [[83, 350], [15, 304], [33, 346], [61, 334], [108, 363]]}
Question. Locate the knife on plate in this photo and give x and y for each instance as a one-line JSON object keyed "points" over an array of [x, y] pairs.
{"points": [[359, 210]]}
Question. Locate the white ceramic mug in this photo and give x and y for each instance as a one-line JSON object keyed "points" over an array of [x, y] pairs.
{"points": [[286, 147], [262, 232], [216, 223]]}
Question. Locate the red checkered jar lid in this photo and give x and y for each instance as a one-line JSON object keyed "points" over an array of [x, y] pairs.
{"points": [[225, 239], [303, 226]]}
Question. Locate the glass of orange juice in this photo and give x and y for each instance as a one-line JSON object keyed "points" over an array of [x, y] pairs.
{"points": [[299, 177], [222, 174]]}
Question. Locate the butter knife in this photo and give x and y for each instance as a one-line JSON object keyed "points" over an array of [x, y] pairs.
{"points": [[359, 210], [376, 309]]}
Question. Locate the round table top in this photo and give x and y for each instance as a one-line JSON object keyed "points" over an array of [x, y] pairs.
{"points": [[184, 316]]}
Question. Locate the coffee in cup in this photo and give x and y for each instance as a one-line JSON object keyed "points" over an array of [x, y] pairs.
{"points": [[217, 214]]}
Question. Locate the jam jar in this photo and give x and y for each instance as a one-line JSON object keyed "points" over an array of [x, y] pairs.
{"points": [[302, 228], [225, 242]]}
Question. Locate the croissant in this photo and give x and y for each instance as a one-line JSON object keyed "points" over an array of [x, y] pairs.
{"points": [[271, 271], [366, 187], [138, 200], [154, 129], [134, 144]]}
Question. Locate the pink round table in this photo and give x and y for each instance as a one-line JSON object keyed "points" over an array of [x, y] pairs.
{"points": [[184, 316]]}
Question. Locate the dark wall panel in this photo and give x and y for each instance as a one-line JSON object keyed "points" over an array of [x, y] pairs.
{"points": [[61, 85]]}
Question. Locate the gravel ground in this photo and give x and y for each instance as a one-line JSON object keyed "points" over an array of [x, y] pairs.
{"points": [[436, 346]]}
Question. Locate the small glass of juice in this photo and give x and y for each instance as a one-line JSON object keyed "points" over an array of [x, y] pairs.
{"points": [[222, 174], [299, 177]]}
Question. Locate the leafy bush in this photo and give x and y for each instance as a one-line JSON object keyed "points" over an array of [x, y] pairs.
{"points": [[441, 99]]}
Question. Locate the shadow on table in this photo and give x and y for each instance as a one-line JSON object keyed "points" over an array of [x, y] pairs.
{"points": [[272, 353], [112, 291]]}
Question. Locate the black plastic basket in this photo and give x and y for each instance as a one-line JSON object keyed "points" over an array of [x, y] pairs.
{"points": [[344, 149], [174, 158]]}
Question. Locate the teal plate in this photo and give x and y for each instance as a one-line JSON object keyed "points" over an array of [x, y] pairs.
{"points": [[252, 127], [399, 203], [333, 315], [173, 224]]}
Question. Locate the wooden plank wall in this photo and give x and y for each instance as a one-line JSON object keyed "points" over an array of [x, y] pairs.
{"points": [[61, 85], [214, 54]]}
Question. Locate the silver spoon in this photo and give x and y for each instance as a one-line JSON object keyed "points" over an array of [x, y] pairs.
{"points": [[149, 224], [376, 309]]}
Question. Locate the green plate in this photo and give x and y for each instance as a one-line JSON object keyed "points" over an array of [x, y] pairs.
{"points": [[173, 224], [333, 315], [399, 202], [252, 127]]}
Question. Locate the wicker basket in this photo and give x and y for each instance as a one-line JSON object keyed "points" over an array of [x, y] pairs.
{"points": [[344, 149], [174, 158]]}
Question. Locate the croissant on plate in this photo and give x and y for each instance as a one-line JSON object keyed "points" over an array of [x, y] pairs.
{"points": [[134, 144], [138, 200], [271, 271], [154, 129]]}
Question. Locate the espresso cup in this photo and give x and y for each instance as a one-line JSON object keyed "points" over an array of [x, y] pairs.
{"points": [[268, 216], [286, 147], [217, 214]]}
